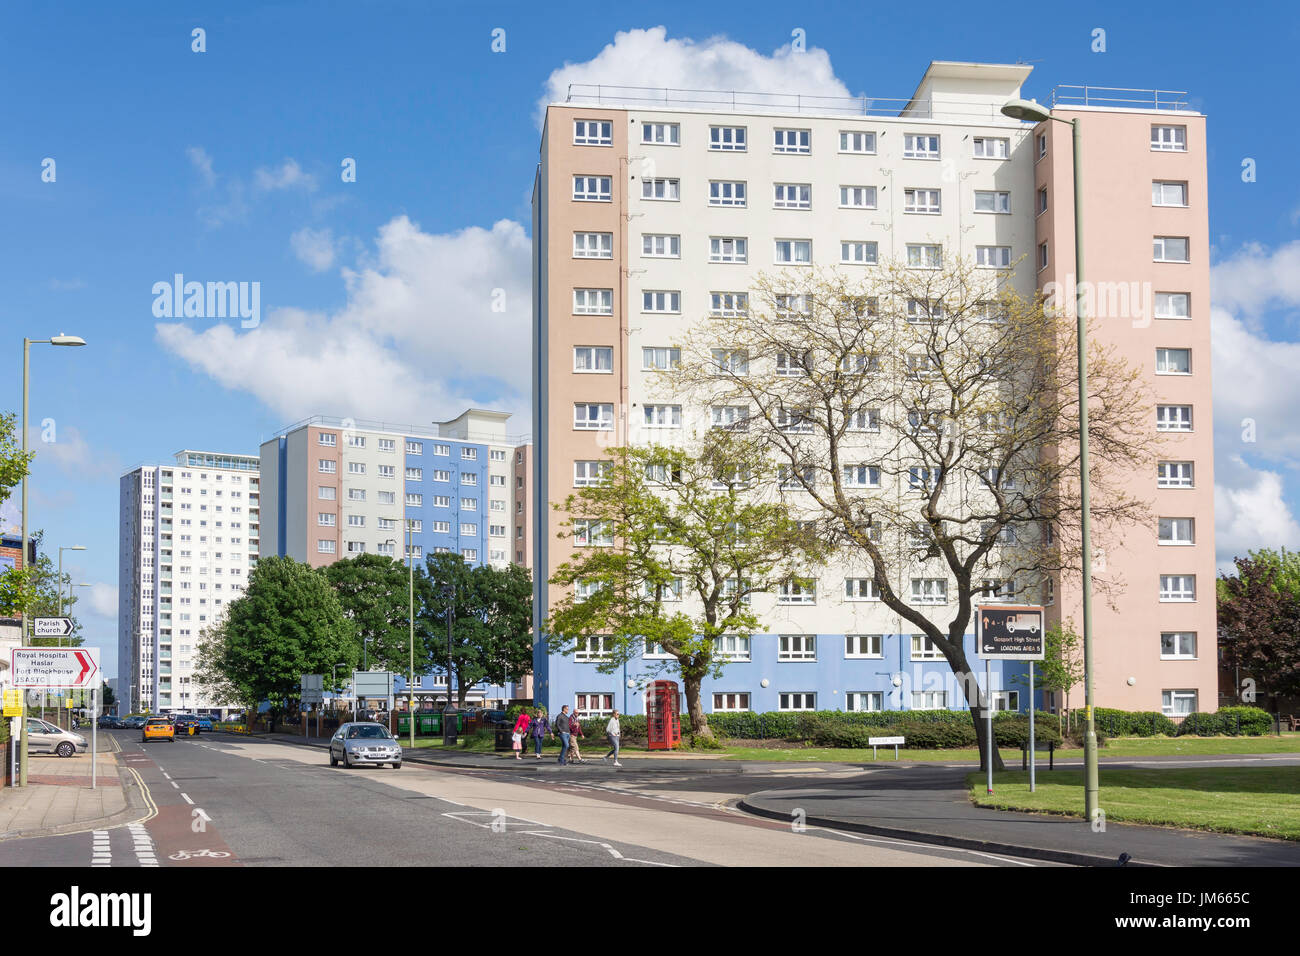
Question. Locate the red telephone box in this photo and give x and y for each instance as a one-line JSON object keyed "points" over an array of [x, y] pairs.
{"points": [[663, 715]]}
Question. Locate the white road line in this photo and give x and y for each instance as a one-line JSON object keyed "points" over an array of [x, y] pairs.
{"points": [[612, 852], [176, 785], [143, 845], [187, 798], [102, 850]]}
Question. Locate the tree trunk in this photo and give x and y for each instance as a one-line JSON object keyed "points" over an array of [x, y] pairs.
{"points": [[694, 708], [966, 678]]}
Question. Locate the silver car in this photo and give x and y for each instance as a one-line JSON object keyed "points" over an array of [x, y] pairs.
{"points": [[361, 743], [45, 738]]}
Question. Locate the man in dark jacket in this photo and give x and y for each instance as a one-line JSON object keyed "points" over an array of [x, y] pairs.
{"points": [[563, 727]]}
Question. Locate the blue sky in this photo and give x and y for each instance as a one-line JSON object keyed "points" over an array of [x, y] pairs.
{"points": [[225, 166]]}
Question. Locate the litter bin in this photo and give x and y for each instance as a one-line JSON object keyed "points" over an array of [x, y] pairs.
{"points": [[404, 725], [428, 725], [502, 742], [450, 726]]}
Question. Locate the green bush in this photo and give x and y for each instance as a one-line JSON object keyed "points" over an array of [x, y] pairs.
{"points": [[935, 735], [1245, 721], [1014, 732], [1112, 722]]}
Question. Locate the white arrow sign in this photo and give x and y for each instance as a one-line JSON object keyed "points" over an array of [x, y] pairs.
{"points": [[52, 626], [55, 666]]}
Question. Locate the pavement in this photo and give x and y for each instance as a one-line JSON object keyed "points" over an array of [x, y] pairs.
{"points": [[58, 798]]}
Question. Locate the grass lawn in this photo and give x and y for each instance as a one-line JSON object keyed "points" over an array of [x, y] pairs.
{"points": [[1264, 801]]}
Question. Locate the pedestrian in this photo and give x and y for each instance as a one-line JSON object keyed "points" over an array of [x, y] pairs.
{"points": [[615, 734], [539, 728], [520, 731], [575, 733], [563, 726]]}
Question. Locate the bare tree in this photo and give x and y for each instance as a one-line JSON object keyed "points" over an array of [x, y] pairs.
{"points": [[927, 419]]}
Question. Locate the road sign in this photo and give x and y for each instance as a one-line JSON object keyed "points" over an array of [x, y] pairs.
{"points": [[1009, 632], [13, 702], [313, 689], [55, 666], [52, 626], [372, 684]]}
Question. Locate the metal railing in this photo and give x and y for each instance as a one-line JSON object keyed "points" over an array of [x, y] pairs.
{"points": [[1118, 97], [740, 100], [396, 428]]}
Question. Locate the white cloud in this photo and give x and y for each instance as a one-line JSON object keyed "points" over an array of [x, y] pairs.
{"points": [[102, 599], [1255, 278], [202, 162], [67, 448], [649, 58], [1250, 512], [417, 339], [315, 247], [288, 175]]}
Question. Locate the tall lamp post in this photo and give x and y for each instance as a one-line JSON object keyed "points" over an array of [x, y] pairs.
{"points": [[1029, 110], [70, 547], [63, 340]]}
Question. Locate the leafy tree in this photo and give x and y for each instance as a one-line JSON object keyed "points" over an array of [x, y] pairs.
{"points": [[13, 464], [374, 592], [930, 417], [668, 551], [108, 698], [1259, 624], [287, 623], [35, 589], [1061, 668], [491, 620]]}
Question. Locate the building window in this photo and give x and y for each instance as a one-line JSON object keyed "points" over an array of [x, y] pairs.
{"points": [[1042, 256], [327, 439], [441, 527], [356, 494], [593, 245], [858, 253], [920, 146], [589, 473], [864, 420], [730, 417], [387, 471], [792, 195], [326, 494], [857, 197], [794, 252], [1173, 361], [662, 416], [324, 546], [593, 705], [1042, 201], [1173, 305], [919, 310], [1177, 587], [726, 193], [925, 256], [1177, 530], [592, 416], [1178, 703], [861, 476], [1174, 474], [1173, 418], [441, 474], [797, 701], [1170, 249], [859, 701], [864, 645], [792, 141], [593, 133], [727, 138], [326, 467], [356, 468], [1005, 700], [469, 554], [417, 501], [469, 454], [1178, 645], [923, 201], [1169, 138], [387, 444], [468, 478], [661, 134], [356, 547], [415, 474], [592, 188], [731, 361], [324, 519], [728, 305], [660, 359], [929, 700], [992, 147], [593, 301], [443, 450], [861, 589], [929, 591], [993, 257], [1042, 145], [666, 190], [356, 441], [725, 702], [797, 591], [728, 249], [1168, 194], [654, 246], [590, 532], [593, 358], [797, 647], [857, 142], [992, 201], [661, 301], [592, 648], [732, 647]]}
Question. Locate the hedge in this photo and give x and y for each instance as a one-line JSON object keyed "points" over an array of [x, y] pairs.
{"points": [[1230, 721], [1112, 722]]}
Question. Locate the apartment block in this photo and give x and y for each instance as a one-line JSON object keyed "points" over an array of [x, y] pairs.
{"points": [[189, 535], [337, 488], [652, 213]]}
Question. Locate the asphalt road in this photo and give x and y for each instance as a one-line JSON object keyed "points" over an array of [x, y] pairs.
{"points": [[221, 800]]}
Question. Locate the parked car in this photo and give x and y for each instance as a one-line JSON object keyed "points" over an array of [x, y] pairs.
{"points": [[45, 738], [364, 742], [134, 721], [158, 728], [110, 722]]}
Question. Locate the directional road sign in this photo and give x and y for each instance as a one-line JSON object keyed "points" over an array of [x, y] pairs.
{"points": [[52, 626], [55, 667], [313, 689], [1009, 632]]}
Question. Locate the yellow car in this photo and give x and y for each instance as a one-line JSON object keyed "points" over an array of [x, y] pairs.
{"points": [[158, 728]]}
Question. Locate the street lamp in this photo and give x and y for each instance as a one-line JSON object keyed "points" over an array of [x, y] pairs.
{"points": [[69, 547], [1033, 112], [64, 340], [70, 598]]}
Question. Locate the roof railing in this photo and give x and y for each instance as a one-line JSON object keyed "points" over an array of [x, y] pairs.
{"points": [[740, 101], [1119, 98]]}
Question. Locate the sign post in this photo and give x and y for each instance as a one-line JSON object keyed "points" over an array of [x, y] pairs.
{"points": [[44, 668], [51, 626], [1009, 632], [313, 692]]}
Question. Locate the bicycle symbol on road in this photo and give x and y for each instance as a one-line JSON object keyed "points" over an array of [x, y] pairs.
{"points": [[193, 854]]}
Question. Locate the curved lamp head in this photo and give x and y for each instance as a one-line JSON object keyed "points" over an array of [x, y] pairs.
{"points": [[1025, 110], [73, 547], [62, 339]]}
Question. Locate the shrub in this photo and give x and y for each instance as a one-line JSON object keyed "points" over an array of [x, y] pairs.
{"points": [[1014, 732], [933, 735], [1129, 723], [1245, 721]]}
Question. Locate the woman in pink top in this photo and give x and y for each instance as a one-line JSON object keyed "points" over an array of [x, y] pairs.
{"points": [[517, 736]]}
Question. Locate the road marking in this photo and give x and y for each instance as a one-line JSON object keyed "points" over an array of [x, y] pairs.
{"points": [[187, 798], [176, 785], [612, 852], [143, 845], [102, 851]]}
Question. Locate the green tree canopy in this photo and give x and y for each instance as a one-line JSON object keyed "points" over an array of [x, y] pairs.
{"points": [[1259, 624], [374, 593]]}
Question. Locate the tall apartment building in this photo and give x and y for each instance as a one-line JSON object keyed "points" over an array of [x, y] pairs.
{"points": [[188, 538], [649, 217], [337, 488]]}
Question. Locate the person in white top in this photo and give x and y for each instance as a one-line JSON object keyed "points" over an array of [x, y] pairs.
{"points": [[614, 734]]}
